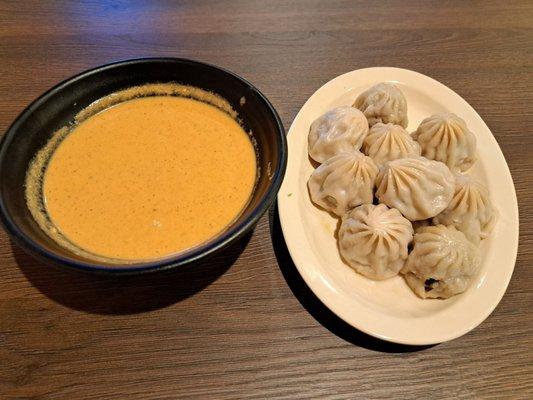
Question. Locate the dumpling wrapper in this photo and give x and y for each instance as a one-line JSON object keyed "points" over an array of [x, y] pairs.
{"points": [[387, 142], [374, 240], [470, 209], [339, 130], [419, 188], [445, 137], [343, 182], [443, 262], [384, 103]]}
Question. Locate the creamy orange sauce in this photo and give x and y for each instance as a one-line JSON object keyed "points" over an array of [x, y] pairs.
{"points": [[149, 177]]}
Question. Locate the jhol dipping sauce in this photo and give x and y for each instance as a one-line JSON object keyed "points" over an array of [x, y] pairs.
{"points": [[149, 177]]}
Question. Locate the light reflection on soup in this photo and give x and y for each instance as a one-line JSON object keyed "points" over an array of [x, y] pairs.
{"points": [[149, 177]]}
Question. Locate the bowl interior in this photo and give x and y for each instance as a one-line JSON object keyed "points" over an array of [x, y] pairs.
{"points": [[56, 108]]}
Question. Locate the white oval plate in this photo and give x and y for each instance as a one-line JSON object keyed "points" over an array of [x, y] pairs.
{"points": [[388, 309]]}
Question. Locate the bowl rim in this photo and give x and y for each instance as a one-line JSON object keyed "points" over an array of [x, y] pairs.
{"points": [[169, 262]]}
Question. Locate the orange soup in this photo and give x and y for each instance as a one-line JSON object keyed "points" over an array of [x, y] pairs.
{"points": [[149, 177]]}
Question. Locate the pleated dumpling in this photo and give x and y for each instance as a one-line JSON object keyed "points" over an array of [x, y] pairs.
{"points": [[445, 137], [385, 103], [419, 188], [386, 142], [374, 240], [470, 210], [343, 182], [443, 262], [338, 130]]}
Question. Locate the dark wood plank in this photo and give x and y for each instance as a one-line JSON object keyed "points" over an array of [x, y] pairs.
{"points": [[244, 325]]}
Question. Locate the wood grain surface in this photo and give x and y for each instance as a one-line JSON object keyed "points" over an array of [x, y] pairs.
{"points": [[243, 324]]}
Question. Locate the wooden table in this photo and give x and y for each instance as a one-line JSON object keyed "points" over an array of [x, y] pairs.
{"points": [[244, 325]]}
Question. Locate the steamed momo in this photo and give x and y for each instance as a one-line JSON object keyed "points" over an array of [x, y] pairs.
{"points": [[442, 263], [374, 240], [470, 210], [419, 188], [445, 137], [385, 103], [386, 142], [343, 182], [338, 130]]}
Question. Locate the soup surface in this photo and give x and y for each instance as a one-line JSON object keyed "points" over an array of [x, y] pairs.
{"points": [[149, 177]]}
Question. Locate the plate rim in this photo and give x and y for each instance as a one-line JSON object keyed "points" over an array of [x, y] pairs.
{"points": [[282, 202]]}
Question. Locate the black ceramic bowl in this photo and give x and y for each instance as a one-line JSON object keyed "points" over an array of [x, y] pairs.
{"points": [[57, 107]]}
